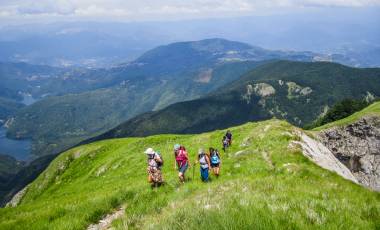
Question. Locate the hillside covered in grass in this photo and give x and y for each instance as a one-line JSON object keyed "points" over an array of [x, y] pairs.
{"points": [[266, 183]]}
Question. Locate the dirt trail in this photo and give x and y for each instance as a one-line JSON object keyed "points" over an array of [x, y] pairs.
{"points": [[267, 159]]}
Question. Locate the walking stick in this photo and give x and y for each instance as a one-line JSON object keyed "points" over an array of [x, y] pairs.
{"points": [[193, 170]]}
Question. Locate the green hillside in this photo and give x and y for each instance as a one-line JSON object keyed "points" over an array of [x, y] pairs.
{"points": [[7, 108], [8, 165], [8, 168], [296, 91], [266, 183]]}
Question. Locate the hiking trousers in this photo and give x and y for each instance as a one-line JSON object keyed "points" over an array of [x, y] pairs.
{"points": [[204, 174]]}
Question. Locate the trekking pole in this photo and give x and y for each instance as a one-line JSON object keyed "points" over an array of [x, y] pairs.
{"points": [[193, 170]]}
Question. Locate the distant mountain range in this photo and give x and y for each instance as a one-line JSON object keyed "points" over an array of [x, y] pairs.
{"points": [[296, 91], [349, 32], [102, 99]]}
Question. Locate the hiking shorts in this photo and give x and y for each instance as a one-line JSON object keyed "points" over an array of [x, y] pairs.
{"points": [[183, 168], [215, 165]]}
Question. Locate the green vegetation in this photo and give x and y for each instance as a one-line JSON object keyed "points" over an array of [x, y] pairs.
{"points": [[339, 111], [7, 108], [296, 91], [18, 174], [8, 165], [265, 184], [8, 168], [371, 110]]}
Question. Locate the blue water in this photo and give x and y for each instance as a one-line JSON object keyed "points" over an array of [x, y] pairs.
{"points": [[19, 149]]}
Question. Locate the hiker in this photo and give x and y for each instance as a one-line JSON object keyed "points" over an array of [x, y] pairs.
{"points": [[227, 140], [229, 137], [225, 143], [181, 161], [155, 163], [204, 161], [215, 161]]}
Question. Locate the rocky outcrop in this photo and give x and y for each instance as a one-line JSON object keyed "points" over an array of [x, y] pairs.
{"points": [[322, 156], [357, 146], [106, 222], [17, 198]]}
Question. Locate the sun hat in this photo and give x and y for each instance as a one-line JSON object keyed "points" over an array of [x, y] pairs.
{"points": [[149, 151], [176, 146]]}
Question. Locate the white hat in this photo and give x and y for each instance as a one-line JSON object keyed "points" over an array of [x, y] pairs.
{"points": [[149, 151]]}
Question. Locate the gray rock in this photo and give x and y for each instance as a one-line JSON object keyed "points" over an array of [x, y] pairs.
{"points": [[357, 146]]}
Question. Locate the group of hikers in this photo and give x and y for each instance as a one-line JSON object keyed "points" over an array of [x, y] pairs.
{"points": [[208, 161]]}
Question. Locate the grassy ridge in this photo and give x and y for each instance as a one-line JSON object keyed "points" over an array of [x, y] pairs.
{"points": [[265, 183], [372, 110]]}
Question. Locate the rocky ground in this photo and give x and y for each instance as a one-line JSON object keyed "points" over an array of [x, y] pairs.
{"points": [[357, 146]]}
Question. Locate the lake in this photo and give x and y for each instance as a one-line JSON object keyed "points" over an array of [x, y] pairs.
{"points": [[19, 149]]}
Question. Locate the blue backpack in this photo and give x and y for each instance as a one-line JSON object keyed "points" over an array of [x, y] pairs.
{"points": [[215, 158]]}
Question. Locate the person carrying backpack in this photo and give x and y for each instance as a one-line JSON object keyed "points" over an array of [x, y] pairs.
{"points": [[225, 143], [155, 163], [204, 161], [215, 161], [227, 140], [181, 161], [229, 137]]}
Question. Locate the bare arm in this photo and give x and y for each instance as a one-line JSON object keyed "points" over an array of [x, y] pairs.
{"points": [[208, 161], [158, 159]]}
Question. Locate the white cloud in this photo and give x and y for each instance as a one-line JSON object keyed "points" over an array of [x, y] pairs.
{"points": [[154, 9]]}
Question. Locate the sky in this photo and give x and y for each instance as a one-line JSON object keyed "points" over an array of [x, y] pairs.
{"points": [[24, 11]]}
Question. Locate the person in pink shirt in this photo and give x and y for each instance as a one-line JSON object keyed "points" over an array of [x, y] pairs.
{"points": [[181, 161]]}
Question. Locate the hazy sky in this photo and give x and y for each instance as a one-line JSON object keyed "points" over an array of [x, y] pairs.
{"points": [[23, 11]]}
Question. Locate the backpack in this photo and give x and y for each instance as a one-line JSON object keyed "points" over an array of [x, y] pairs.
{"points": [[203, 161], [160, 164], [215, 157]]}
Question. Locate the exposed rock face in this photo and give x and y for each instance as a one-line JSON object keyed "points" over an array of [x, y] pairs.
{"points": [[17, 198], [264, 89], [322, 156], [106, 222], [358, 147], [294, 90]]}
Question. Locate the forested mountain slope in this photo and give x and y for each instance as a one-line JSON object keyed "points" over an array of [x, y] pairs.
{"points": [[296, 91]]}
